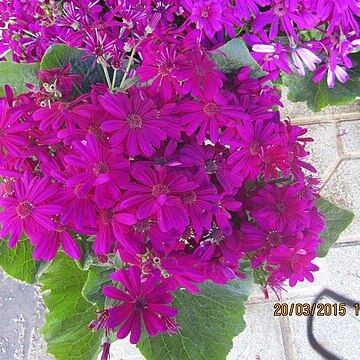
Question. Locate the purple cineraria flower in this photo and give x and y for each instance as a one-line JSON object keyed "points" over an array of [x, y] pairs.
{"points": [[206, 14], [29, 208], [244, 9], [135, 123], [12, 131], [199, 74], [159, 65], [333, 72], [47, 242], [294, 262], [281, 206], [200, 204], [142, 301], [285, 14], [211, 163], [304, 56], [159, 192], [207, 116], [110, 221], [272, 58], [253, 139], [102, 169]]}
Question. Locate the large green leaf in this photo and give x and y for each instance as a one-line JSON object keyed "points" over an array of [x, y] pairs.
{"points": [[336, 219], [234, 55], [17, 75], [19, 263], [209, 322], [58, 55], [318, 95], [98, 277], [66, 328]]}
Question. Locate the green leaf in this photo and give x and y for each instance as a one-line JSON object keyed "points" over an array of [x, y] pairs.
{"points": [[98, 277], [17, 75], [336, 219], [209, 322], [317, 96], [19, 263], [234, 55], [59, 55], [66, 328]]}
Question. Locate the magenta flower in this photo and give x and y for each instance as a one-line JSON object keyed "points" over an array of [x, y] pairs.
{"points": [[47, 242], [159, 65], [254, 138], [199, 75], [281, 206], [110, 222], [135, 123], [206, 14], [294, 263], [141, 302], [102, 169], [12, 131], [29, 209], [159, 192], [207, 116]]}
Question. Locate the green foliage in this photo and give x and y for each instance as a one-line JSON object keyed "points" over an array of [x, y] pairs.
{"points": [[19, 262], [319, 95], [234, 55], [97, 278], [209, 321], [337, 220], [17, 76], [59, 55], [66, 329]]}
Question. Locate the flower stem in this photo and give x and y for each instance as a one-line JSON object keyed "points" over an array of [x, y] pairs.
{"points": [[104, 66], [128, 67], [113, 80]]}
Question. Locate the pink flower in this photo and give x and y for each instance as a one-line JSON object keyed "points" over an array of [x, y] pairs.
{"points": [[135, 123], [159, 192], [141, 302], [29, 209]]}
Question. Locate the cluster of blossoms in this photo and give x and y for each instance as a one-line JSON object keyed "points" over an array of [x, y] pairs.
{"points": [[288, 36], [181, 177]]}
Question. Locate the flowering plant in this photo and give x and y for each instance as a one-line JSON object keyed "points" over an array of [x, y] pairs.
{"points": [[146, 145]]}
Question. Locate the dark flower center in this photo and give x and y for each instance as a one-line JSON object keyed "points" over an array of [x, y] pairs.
{"points": [[159, 189], [200, 71], [274, 238], [142, 226], [211, 109], [279, 10], [8, 187], [211, 167], [160, 160], [255, 148], [216, 236], [2, 133], [106, 215], [134, 121], [140, 303], [204, 14], [281, 207], [96, 131], [188, 197], [295, 259], [165, 69], [100, 168], [24, 209]]}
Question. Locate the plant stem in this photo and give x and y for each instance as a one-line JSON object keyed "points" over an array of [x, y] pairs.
{"points": [[114, 80], [104, 66], [128, 67]]}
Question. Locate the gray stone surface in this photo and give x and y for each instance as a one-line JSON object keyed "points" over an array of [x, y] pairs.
{"points": [[336, 153]]}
